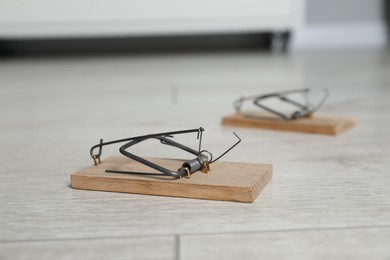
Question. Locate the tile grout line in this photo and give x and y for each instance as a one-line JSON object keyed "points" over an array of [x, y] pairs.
{"points": [[177, 236], [286, 230], [177, 248]]}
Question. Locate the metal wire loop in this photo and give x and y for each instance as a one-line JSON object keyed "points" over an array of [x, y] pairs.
{"points": [[202, 161], [304, 110]]}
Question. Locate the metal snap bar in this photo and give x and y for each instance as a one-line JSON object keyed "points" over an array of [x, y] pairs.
{"points": [[305, 110], [202, 161]]}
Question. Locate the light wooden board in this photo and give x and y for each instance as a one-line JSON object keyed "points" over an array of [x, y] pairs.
{"points": [[226, 181], [126, 248], [319, 183], [349, 243], [327, 125]]}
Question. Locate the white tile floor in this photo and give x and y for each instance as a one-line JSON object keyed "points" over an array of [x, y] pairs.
{"points": [[329, 197]]}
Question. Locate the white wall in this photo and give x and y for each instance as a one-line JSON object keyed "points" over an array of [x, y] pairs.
{"points": [[343, 11], [342, 24]]}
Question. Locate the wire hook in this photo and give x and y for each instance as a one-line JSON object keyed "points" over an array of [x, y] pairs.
{"points": [[228, 150]]}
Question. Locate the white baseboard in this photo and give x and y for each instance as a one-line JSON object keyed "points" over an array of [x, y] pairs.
{"points": [[337, 36]]}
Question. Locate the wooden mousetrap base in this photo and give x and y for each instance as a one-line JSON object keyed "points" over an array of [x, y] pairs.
{"points": [[326, 125], [227, 181]]}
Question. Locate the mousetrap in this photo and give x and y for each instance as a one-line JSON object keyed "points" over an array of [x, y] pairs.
{"points": [[302, 119], [195, 178]]}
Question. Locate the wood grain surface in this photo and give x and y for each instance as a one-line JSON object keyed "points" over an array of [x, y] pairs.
{"points": [[241, 182], [355, 243], [317, 124], [107, 248], [334, 188]]}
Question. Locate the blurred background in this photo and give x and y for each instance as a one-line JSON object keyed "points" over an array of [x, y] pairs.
{"points": [[84, 26]]}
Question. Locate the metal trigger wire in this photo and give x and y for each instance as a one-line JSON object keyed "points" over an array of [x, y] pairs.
{"points": [[228, 150], [321, 103], [199, 137]]}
